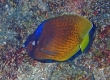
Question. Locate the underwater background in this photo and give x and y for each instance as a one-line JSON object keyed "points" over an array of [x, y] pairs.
{"points": [[19, 18]]}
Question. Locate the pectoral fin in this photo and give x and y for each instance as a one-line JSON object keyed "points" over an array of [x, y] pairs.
{"points": [[49, 52]]}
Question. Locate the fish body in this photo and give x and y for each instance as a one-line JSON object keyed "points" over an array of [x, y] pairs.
{"points": [[60, 38]]}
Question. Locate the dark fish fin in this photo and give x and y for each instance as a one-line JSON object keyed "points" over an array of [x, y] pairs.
{"points": [[74, 56], [46, 61]]}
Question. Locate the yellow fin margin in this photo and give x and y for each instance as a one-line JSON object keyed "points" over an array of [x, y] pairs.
{"points": [[84, 43]]}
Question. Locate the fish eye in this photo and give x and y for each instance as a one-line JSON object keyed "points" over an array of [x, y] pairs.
{"points": [[33, 43], [23, 46]]}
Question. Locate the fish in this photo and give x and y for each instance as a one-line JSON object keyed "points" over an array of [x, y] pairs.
{"points": [[60, 38]]}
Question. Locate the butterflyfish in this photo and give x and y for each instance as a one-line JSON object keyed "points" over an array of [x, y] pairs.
{"points": [[60, 38]]}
